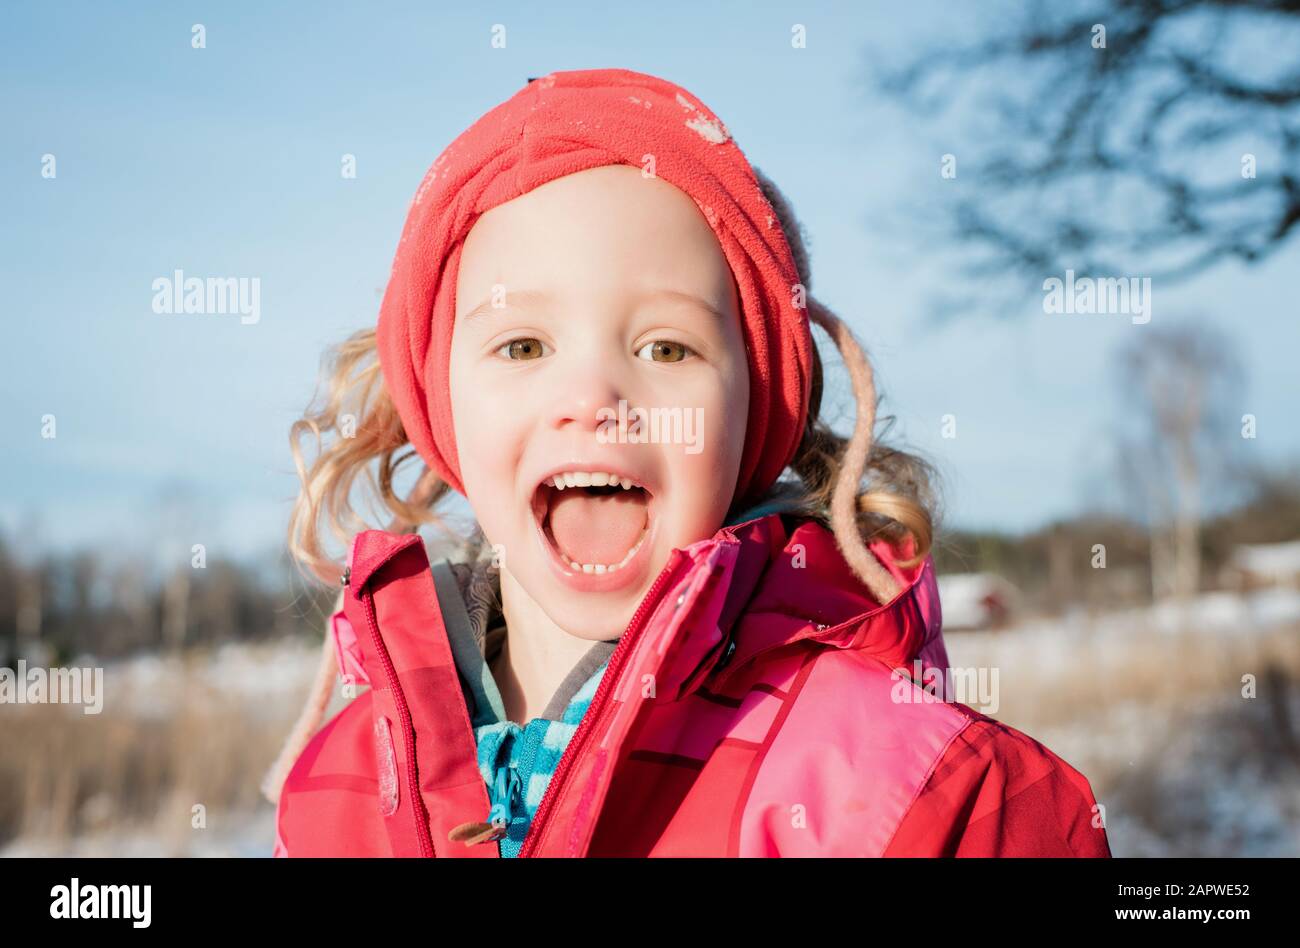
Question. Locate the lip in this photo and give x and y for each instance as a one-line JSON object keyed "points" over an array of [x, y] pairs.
{"points": [[630, 573]]}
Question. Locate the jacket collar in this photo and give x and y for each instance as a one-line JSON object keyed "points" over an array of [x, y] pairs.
{"points": [[753, 587], [787, 582]]}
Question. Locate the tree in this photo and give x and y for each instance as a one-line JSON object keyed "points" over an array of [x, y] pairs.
{"points": [[1181, 383], [1152, 137]]}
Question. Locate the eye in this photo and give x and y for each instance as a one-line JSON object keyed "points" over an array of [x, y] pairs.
{"points": [[664, 350], [522, 350]]}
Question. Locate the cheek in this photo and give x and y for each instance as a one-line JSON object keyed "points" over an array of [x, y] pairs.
{"points": [[483, 417], [705, 468], [732, 418]]}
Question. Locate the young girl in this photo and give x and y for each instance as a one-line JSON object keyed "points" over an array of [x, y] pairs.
{"points": [[683, 626]]}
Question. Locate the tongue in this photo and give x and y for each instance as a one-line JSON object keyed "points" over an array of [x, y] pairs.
{"points": [[597, 528]]}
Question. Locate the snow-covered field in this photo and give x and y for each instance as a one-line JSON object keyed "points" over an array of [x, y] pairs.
{"points": [[249, 834], [1154, 706], [1183, 718], [175, 733]]}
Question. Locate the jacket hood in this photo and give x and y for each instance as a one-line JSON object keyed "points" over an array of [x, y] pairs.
{"points": [[789, 583]]}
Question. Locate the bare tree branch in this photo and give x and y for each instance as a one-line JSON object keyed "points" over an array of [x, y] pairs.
{"points": [[1108, 158]]}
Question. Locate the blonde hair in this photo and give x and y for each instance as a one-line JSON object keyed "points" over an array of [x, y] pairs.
{"points": [[366, 438]]}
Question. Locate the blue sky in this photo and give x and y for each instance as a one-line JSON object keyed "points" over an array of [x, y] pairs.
{"points": [[225, 161]]}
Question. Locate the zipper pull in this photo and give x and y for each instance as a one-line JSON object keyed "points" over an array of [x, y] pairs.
{"points": [[474, 833], [347, 576]]}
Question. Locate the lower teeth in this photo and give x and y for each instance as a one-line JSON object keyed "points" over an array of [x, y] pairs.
{"points": [[601, 567]]}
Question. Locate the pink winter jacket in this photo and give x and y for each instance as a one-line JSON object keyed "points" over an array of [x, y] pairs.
{"points": [[749, 709]]}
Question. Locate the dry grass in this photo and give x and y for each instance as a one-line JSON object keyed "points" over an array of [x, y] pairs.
{"points": [[1047, 682], [193, 738], [1185, 763]]}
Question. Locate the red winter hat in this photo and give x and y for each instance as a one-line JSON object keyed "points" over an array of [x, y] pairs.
{"points": [[559, 125]]}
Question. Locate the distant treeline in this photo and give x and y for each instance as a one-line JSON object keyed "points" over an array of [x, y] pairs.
{"points": [[1053, 566], [62, 606]]}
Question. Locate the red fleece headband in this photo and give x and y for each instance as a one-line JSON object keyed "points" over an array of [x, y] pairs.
{"points": [[559, 125]]}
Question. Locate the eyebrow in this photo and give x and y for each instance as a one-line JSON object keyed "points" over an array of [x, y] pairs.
{"points": [[512, 298], [516, 298], [677, 296]]}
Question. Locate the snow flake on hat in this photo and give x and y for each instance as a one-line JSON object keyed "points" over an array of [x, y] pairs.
{"points": [[424, 186], [710, 129], [432, 175]]}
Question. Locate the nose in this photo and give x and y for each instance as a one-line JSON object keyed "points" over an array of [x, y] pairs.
{"points": [[587, 399]]}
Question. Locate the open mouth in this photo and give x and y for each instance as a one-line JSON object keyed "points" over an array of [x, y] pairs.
{"points": [[595, 522]]}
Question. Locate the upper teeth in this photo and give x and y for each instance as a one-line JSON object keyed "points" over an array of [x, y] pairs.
{"points": [[589, 479]]}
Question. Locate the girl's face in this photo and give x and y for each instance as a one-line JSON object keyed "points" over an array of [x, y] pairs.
{"points": [[586, 301]]}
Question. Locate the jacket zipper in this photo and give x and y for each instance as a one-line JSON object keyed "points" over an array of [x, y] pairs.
{"points": [[404, 713], [617, 659]]}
